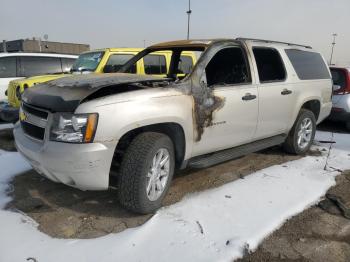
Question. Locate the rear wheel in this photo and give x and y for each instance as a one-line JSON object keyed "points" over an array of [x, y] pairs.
{"points": [[302, 134], [146, 172]]}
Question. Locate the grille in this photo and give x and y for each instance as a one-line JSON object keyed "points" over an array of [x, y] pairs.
{"points": [[33, 121], [33, 131], [35, 112]]}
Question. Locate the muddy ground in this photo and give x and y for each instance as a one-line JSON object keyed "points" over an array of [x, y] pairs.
{"points": [[65, 212]]}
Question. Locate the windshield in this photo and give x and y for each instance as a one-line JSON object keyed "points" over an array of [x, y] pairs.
{"points": [[87, 62]]}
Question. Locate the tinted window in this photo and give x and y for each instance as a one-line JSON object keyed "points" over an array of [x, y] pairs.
{"points": [[35, 65], [339, 77], [228, 66], [8, 66], [115, 62], [155, 64], [270, 64], [67, 64], [308, 65], [185, 64]]}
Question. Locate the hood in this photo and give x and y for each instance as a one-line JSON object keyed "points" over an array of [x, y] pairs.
{"points": [[65, 94]]}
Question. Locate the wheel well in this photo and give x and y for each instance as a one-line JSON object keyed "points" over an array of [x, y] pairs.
{"points": [[314, 106], [173, 130]]}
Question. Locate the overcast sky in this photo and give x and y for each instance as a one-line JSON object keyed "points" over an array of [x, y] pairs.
{"points": [[114, 23]]}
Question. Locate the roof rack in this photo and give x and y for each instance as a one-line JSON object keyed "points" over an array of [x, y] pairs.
{"points": [[270, 41]]}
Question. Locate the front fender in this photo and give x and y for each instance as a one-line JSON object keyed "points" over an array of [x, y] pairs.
{"points": [[116, 119]]}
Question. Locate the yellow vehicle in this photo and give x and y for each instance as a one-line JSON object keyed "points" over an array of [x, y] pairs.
{"points": [[108, 60]]}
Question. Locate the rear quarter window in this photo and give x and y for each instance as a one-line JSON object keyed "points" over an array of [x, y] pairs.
{"points": [[8, 67], [39, 65], [308, 65]]}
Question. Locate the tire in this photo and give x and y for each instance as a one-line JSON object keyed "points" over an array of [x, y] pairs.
{"points": [[292, 144], [136, 173]]}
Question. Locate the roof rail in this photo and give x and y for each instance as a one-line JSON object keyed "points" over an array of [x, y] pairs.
{"points": [[271, 41]]}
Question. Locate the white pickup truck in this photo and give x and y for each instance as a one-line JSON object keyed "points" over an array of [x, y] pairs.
{"points": [[243, 95]]}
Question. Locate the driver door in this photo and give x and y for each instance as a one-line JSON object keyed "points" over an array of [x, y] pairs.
{"points": [[228, 77]]}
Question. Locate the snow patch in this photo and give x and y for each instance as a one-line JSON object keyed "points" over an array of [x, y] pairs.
{"points": [[214, 225]]}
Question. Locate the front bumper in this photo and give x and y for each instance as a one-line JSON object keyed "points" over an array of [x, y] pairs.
{"points": [[8, 113], [83, 166]]}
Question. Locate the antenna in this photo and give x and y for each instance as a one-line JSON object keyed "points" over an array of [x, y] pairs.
{"points": [[189, 12]]}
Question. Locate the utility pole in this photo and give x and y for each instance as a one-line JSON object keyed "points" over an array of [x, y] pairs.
{"points": [[189, 12], [333, 45]]}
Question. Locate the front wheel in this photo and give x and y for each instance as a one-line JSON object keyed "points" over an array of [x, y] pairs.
{"points": [[146, 172], [302, 134]]}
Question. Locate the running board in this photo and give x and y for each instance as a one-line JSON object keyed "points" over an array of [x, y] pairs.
{"points": [[235, 152]]}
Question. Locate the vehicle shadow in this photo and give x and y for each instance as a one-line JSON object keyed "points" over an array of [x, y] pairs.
{"points": [[330, 126], [65, 212]]}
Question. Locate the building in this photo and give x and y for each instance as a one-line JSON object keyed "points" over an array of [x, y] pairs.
{"points": [[37, 45]]}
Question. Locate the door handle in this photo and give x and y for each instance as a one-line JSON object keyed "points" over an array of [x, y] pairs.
{"points": [[248, 96], [286, 92]]}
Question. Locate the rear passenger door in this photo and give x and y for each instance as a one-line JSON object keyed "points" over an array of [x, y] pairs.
{"points": [[276, 98]]}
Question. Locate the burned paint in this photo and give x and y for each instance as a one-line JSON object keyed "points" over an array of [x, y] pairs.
{"points": [[66, 94]]}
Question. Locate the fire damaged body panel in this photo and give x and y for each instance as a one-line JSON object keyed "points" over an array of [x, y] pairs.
{"points": [[65, 95], [240, 94]]}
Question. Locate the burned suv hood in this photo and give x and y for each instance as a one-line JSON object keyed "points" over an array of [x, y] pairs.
{"points": [[65, 94]]}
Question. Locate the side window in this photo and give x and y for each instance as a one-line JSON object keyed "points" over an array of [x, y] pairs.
{"points": [[67, 64], [155, 64], [228, 67], [116, 61], [270, 64], [36, 65], [8, 67], [185, 64], [308, 65]]}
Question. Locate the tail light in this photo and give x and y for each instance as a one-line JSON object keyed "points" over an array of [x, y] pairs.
{"points": [[345, 89]]}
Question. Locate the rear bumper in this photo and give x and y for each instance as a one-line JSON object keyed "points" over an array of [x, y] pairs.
{"points": [[83, 166], [8, 113]]}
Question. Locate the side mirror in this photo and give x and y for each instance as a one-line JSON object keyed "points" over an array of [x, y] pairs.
{"points": [[336, 87]]}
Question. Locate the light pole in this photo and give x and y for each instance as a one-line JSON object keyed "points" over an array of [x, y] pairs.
{"points": [[189, 12], [333, 45]]}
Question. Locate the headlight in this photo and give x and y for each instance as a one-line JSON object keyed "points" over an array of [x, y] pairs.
{"points": [[73, 128]]}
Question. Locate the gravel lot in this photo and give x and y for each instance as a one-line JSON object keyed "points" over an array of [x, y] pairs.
{"points": [[317, 234]]}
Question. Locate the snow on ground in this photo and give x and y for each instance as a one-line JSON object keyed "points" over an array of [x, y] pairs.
{"points": [[215, 225]]}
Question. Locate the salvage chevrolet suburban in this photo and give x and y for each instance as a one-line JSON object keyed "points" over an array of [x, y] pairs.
{"points": [[243, 95]]}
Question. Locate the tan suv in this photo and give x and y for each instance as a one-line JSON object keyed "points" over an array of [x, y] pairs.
{"points": [[243, 95]]}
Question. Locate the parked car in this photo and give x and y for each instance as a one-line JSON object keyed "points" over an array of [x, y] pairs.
{"points": [[99, 61], [19, 65], [242, 96], [341, 95]]}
